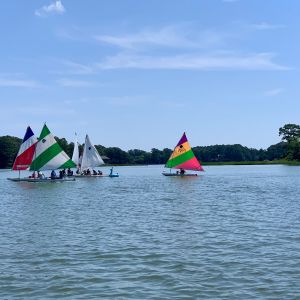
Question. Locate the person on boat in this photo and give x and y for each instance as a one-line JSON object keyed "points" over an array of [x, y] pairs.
{"points": [[41, 175], [69, 172], [88, 172], [182, 171], [33, 175], [53, 175], [100, 172], [94, 172], [177, 172], [111, 171], [61, 174], [77, 171]]}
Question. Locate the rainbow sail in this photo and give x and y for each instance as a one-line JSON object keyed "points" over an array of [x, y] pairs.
{"points": [[183, 157]]}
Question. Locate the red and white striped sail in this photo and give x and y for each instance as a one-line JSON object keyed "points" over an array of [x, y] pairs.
{"points": [[26, 151]]}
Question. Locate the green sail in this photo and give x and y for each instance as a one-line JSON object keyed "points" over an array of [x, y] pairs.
{"points": [[49, 155]]}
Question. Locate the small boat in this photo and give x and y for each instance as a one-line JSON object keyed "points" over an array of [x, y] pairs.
{"points": [[183, 158], [112, 174], [45, 180], [90, 159], [47, 155], [25, 154]]}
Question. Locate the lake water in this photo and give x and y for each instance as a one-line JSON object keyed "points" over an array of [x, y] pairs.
{"points": [[232, 233]]}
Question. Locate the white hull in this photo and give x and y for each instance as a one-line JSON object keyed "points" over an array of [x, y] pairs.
{"points": [[179, 175], [41, 179], [93, 176]]}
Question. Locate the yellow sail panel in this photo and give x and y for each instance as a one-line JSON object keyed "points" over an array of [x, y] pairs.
{"points": [[180, 149]]}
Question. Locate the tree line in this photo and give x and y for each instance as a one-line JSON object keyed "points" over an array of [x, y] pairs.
{"points": [[288, 148]]}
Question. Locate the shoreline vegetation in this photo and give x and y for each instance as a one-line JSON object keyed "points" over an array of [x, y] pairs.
{"points": [[286, 152]]}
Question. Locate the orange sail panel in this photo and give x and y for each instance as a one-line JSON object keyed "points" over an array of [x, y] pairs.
{"points": [[183, 157]]}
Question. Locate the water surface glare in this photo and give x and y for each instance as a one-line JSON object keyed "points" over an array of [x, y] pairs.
{"points": [[232, 233]]}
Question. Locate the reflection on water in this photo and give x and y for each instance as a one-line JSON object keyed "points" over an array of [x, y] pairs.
{"points": [[231, 233]]}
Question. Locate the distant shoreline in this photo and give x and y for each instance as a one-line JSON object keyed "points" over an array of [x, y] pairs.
{"points": [[230, 163]]}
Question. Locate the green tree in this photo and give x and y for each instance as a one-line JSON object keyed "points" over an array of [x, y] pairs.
{"points": [[9, 146], [289, 132]]}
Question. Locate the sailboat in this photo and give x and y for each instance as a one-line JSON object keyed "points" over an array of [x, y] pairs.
{"points": [[48, 155], [91, 159], [183, 158], [25, 153]]}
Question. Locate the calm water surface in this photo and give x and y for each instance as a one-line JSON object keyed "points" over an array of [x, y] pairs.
{"points": [[233, 233]]}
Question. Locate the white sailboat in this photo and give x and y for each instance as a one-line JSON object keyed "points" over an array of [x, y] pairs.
{"points": [[90, 159]]}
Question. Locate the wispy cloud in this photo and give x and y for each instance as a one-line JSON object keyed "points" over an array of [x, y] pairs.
{"points": [[169, 36], [18, 82], [65, 82], [230, 1], [266, 26], [273, 92], [180, 47], [53, 8], [77, 68], [261, 61]]}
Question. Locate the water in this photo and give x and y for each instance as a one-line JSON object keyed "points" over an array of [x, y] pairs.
{"points": [[233, 233]]}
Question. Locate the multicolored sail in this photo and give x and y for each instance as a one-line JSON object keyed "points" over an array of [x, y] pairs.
{"points": [[26, 151], [49, 155], [183, 157]]}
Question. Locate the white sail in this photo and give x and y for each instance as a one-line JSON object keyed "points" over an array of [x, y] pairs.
{"points": [[90, 157], [75, 156]]}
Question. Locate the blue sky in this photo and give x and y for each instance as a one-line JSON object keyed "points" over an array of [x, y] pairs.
{"points": [[136, 74]]}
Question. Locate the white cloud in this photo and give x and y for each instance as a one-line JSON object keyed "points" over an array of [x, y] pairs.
{"points": [[53, 8], [265, 26], [74, 83], [230, 1], [18, 83], [77, 68], [169, 36], [253, 62], [273, 92]]}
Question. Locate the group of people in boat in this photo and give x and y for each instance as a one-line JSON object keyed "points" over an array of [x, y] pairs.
{"points": [[62, 174], [88, 172], [37, 175], [181, 172]]}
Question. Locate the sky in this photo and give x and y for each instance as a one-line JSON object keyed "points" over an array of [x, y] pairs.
{"points": [[137, 74]]}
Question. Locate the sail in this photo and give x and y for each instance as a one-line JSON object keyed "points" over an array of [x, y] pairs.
{"points": [[48, 154], [90, 158], [26, 151], [75, 156], [183, 157]]}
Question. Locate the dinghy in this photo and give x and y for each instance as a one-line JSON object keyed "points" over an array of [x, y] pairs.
{"points": [[25, 154], [89, 160], [47, 155], [182, 159]]}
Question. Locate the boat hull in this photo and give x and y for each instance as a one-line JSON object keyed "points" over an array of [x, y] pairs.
{"points": [[93, 176], [44, 180], [179, 175]]}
